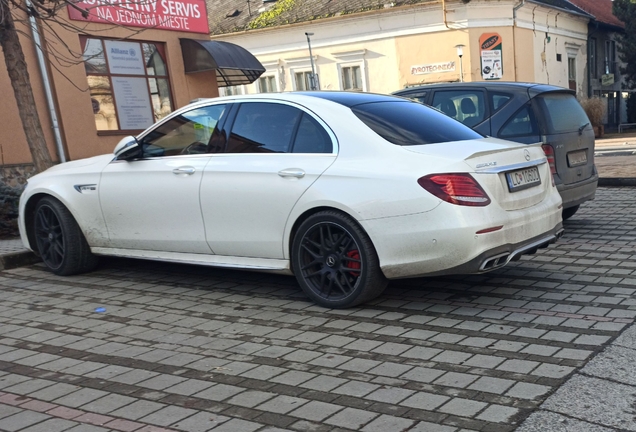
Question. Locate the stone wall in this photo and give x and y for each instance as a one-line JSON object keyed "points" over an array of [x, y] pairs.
{"points": [[16, 175]]}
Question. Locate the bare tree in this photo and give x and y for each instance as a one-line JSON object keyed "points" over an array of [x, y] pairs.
{"points": [[46, 12], [19, 75]]}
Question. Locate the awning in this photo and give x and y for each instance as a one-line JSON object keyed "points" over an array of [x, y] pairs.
{"points": [[233, 64]]}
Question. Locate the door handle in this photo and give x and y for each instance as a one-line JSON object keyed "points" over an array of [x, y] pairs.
{"points": [[187, 170], [292, 172]]}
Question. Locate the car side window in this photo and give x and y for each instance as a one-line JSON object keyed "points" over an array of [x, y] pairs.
{"points": [[417, 97], [498, 100], [520, 124], [464, 105], [311, 137], [187, 133], [263, 127]]}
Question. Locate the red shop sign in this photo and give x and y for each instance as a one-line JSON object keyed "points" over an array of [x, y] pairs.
{"points": [[178, 15]]}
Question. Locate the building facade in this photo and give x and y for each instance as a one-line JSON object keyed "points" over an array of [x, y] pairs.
{"points": [[385, 47], [604, 65]]}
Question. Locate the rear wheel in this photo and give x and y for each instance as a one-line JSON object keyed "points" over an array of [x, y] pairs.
{"points": [[569, 212], [335, 262], [59, 240]]}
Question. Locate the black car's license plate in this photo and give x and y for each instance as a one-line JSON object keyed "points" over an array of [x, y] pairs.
{"points": [[577, 158], [523, 179]]}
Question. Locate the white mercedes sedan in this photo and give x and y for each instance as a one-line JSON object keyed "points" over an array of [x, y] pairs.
{"points": [[342, 190]]}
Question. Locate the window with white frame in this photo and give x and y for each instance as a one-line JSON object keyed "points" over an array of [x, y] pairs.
{"points": [[351, 78], [572, 68], [267, 84], [352, 70], [302, 80]]}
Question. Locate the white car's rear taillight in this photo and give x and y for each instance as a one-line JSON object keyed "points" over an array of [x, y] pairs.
{"points": [[457, 188]]}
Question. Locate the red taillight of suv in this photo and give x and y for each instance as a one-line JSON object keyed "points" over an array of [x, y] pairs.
{"points": [[549, 153], [459, 188]]}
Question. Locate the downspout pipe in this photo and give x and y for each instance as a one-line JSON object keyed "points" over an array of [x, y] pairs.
{"points": [[514, 39], [47, 84]]}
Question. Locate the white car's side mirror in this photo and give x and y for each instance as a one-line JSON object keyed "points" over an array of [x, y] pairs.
{"points": [[126, 147]]}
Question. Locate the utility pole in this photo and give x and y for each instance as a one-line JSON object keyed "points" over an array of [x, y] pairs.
{"points": [[314, 81]]}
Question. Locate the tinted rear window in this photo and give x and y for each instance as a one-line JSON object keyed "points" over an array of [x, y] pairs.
{"points": [[409, 123], [561, 112]]}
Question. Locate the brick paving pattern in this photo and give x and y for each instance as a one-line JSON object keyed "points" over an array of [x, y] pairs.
{"points": [[183, 348]]}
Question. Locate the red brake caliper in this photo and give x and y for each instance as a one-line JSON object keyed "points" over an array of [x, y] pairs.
{"points": [[353, 254]]}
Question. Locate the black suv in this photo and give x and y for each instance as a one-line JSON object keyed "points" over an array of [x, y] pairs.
{"points": [[526, 113]]}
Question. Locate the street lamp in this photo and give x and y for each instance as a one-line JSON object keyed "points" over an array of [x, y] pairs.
{"points": [[460, 53], [313, 81]]}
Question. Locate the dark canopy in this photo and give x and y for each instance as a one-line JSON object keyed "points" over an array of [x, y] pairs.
{"points": [[233, 64]]}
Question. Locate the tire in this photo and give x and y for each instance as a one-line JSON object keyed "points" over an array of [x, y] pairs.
{"points": [[335, 262], [59, 240], [569, 212]]}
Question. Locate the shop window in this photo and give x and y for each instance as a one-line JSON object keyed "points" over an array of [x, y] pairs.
{"points": [[267, 84], [128, 83], [351, 78]]}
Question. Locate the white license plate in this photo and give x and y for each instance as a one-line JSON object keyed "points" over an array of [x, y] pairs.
{"points": [[577, 158], [522, 179]]}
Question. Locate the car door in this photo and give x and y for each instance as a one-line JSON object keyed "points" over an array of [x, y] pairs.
{"points": [[152, 202], [275, 151]]}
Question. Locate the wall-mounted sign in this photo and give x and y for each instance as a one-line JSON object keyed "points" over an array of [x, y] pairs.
{"points": [[133, 102], [491, 60], [607, 79], [433, 68], [125, 58], [178, 15]]}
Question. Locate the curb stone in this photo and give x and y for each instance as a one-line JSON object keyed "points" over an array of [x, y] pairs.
{"points": [[617, 181], [17, 259]]}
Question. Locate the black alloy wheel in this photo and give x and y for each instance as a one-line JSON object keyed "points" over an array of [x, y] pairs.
{"points": [[59, 240], [49, 237], [335, 262]]}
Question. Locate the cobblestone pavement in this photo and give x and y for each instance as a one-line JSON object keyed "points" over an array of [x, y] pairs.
{"points": [[142, 346]]}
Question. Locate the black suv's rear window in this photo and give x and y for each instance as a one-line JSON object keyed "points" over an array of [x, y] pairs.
{"points": [[410, 123], [562, 112]]}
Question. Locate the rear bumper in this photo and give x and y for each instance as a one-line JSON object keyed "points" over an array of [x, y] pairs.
{"points": [[500, 256], [576, 193], [445, 240]]}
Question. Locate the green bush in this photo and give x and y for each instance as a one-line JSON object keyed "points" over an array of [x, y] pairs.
{"points": [[9, 200]]}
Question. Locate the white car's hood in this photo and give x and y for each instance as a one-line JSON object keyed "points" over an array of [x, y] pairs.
{"points": [[94, 165]]}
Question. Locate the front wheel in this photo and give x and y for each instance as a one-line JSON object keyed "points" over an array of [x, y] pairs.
{"points": [[59, 240], [335, 262]]}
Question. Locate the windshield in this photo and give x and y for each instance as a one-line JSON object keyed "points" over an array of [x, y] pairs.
{"points": [[408, 123]]}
